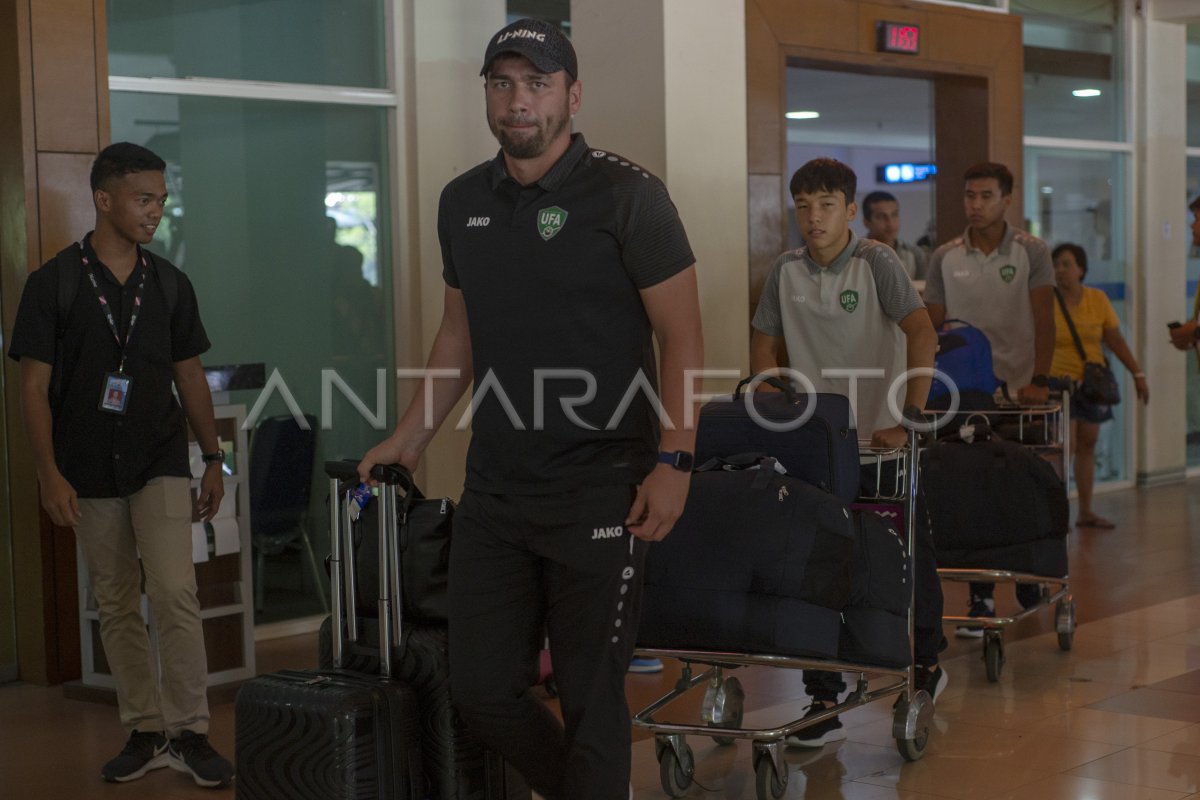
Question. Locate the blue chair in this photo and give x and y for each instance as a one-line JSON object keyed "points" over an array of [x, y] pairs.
{"points": [[281, 463]]}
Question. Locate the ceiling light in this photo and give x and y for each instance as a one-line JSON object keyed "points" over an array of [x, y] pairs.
{"points": [[802, 114], [1086, 92]]}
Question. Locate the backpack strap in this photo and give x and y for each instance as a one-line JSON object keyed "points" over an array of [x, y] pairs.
{"points": [[168, 278], [69, 266]]}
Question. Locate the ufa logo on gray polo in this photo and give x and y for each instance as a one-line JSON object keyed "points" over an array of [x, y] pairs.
{"points": [[1007, 273], [849, 300], [550, 221]]}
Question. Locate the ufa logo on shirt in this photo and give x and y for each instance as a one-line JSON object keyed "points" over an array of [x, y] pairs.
{"points": [[1007, 273], [849, 300], [550, 221]]}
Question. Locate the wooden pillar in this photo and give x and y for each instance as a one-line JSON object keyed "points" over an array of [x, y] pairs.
{"points": [[54, 95]]}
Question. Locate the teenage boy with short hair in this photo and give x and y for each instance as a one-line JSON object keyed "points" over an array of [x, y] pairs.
{"points": [[1001, 280], [841, 302]]}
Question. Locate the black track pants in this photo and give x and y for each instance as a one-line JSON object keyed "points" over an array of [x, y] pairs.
{"points": [[561, 563]]}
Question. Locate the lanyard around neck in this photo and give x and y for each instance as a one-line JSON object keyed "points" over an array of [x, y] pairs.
{"points": [[107, 309]]}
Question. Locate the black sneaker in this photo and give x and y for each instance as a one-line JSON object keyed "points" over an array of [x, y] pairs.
{"points": [[143, 752], [192, 753], [980, 607], [820, 734], [1029, 594], [933, 681]]}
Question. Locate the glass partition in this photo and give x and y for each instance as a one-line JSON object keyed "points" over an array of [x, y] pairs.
{"points": [[1074, 75], [288, 41], [280, 216], [1079, 196]]}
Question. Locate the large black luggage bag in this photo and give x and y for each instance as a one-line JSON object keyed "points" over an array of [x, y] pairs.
{"points": [[758, 562], [994, 504], [823, 451], [327, 735], [457, 765], [332, 734], [875, 620]]}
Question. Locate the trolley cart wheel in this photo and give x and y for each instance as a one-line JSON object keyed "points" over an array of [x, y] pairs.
{"points": [[674, 775], [911, 721], [1064, 622], [993, 654], [731, 710], [769, 784]]}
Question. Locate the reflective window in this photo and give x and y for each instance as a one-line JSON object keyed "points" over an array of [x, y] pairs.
{"points": [[1079, 197], [1073, 68], [1188, 311], [557, 11], [1193, 88], [289, 41], [279, 215]]}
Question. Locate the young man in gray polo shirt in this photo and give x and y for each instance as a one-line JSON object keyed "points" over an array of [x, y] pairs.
{"points": [[845, 303], [881, 218], [1001, 280]]}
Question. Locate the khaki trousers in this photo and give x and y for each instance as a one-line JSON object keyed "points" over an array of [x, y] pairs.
{"points": [[155, 522]]}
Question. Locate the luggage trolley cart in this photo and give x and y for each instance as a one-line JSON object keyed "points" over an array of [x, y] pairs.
{"points": [[723, 700], [1046, 430]]}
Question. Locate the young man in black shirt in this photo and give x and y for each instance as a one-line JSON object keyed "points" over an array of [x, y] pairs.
{"points": [[561, 263], [110, 445]]}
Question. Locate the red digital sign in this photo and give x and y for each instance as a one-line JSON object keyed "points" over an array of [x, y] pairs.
{"points": [[898, 37]]}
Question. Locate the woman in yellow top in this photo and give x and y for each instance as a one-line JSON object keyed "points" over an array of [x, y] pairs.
{"points": [[1096, 322]]}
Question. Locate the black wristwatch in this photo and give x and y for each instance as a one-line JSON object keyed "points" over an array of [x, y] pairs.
{"points": [[681, 460], [211, 458], [1196, 332], [1041, 381], [913, 414]]}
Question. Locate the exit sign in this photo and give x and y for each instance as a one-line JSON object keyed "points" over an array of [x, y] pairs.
{"points": [[897, 37]]}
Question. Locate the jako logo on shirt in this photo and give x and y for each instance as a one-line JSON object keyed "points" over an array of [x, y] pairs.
{"points": [[478, 222], [849, 300], [608, 533], [523, 33], [1008, 272], [550, 221]]}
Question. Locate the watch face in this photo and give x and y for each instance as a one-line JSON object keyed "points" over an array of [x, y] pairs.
{"points": [[683, 460]]}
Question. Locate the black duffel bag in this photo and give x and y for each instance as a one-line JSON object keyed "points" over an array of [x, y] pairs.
{"points": [[758, 562], [423, 530], [875, 621]]}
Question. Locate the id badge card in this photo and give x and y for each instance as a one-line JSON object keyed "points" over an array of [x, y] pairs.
{"points": [[116, 393]]}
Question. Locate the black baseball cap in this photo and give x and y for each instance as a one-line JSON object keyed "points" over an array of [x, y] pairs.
{"points": [[539, 41]]}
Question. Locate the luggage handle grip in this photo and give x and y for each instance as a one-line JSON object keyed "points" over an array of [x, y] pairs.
{"points": [[771, 380], [390, 474]]}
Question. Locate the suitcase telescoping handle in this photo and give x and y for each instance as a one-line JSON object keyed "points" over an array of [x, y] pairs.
{"points": [[343, 479]]}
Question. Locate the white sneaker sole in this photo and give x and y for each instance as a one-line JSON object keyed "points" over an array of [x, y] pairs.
{"points": [[179, 765], [835, 735], [158, 762], [968, 633]]}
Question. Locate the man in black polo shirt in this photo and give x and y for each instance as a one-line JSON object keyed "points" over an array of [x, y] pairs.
{"points": [[560, 262], [110, 444]]}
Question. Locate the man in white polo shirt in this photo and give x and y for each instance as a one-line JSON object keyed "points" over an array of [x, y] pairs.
{"points": [[881, 218], [1001, 280]]}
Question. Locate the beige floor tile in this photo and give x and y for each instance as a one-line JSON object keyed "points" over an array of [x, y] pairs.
{"points": [[1154, 768], [958, 777], [1091, 725], [1072, 787], [1185, 740], [1144, 664], [1147, 702], [993, 712], [958, 739], [1053, 690]]}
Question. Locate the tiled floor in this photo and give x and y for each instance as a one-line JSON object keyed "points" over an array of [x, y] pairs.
{"points": [[1117, 718]]}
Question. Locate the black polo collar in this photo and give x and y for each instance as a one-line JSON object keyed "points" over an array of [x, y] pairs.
{"points": [[554, 177]]}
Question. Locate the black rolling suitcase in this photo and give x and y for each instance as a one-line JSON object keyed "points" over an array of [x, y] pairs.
{"points": [[332, 734], [457, 765]]}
